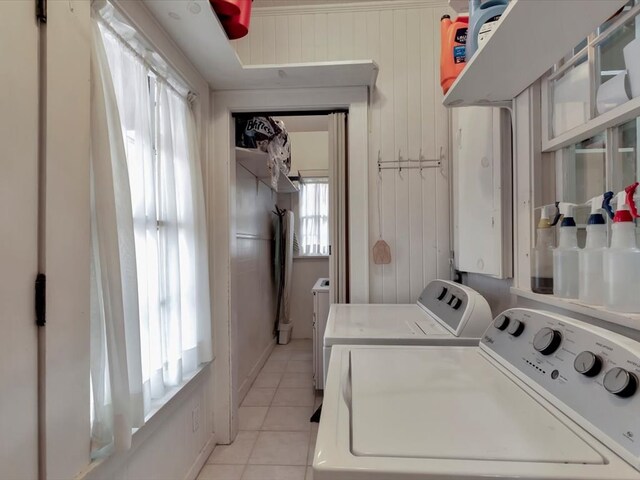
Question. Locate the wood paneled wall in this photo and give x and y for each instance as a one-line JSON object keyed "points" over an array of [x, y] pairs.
{"points": [[406, 118]]}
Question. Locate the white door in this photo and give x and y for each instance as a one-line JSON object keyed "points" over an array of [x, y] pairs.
{"points": [[18, 239]]}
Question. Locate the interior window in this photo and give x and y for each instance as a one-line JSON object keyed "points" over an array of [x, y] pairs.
{"points": [[314, 216]]}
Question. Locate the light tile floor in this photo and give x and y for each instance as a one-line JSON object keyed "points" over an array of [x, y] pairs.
{"points": [[276, 440]]}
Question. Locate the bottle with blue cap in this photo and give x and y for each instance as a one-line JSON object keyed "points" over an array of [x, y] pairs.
{"points": [[591, 289], [566, 263]]}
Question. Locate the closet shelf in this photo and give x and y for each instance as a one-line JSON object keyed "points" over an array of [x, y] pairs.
{"points": [[629, 320], [530, 37], [255, 161]]}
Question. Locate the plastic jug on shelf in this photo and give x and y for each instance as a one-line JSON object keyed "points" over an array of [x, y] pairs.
{"points": [[483, 18], [453, 39]]}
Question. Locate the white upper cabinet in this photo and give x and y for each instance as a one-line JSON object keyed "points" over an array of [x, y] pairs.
{"points": [[482, 191]]}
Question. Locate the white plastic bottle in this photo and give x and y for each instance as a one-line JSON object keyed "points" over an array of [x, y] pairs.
{"points": [[591, 256], [622, 260], [566, 262]]}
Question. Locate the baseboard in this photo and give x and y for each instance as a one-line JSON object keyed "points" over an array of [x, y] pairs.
{"points": [[201, 459], [248, 381]]}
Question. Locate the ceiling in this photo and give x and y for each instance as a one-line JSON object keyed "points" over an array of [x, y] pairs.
{"points": [[297, 3]]}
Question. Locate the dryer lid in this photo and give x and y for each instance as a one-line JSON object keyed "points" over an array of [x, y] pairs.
{"points": [[451, 403]]}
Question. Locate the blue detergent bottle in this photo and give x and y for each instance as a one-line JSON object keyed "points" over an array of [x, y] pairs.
{"points": [[483, 18]]}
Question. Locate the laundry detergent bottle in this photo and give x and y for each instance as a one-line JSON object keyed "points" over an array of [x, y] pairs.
{"points": [[592, 255], [622, 260], [566, 263], [483, 20], [453, 39], [542, 255]]}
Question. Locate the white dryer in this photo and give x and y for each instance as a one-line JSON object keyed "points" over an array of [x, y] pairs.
{"points": [[542, 397], [446, 313]]}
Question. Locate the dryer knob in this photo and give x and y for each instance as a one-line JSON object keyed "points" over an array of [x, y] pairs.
{"points": [[516, 328], [501, 322], [547, 341], [443, 293], [620, 382]]}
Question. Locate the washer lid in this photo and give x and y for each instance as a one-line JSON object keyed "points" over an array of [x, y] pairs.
{"points": [[451, 404], [382, 321]]}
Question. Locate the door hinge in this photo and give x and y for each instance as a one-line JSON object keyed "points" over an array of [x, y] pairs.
{"points": [[41, 11], [41, 299], [329, 250]]}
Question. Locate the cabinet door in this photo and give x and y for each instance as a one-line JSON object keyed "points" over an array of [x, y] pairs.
{"points": [[482, 191], [18, 239]]}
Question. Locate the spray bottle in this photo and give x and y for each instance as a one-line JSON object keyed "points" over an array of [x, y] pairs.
{"points": [[591, 257], [622, 260], [566, 263], [542, 254]]}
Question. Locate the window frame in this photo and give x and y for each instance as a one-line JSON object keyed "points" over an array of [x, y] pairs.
{"points": [[314, 179], [596, 123]]}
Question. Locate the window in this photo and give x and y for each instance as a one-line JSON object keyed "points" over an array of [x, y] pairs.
{"points": [[314, 216], [575, 88], [150, 299]]}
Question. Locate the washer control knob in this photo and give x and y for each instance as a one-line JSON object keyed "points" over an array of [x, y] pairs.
{"points": [[547, 341], [515, 328], [620, 382], [501, 322], [457, 304], [588, 364], [443, 293]]}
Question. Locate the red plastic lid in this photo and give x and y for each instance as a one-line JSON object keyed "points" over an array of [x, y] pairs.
{"points": [[226, 7], [622, 216], [237, 26]]}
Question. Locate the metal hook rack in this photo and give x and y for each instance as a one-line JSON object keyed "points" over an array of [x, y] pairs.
{"points": [[398, 164]]}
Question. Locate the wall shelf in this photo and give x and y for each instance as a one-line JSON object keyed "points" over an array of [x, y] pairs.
{"points": [[530, 37], [255, 161], [198, 32], [629, 320]]}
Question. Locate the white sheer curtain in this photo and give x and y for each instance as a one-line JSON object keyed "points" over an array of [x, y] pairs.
{"points": [[150, 141], [115, 342], [314, 216]]}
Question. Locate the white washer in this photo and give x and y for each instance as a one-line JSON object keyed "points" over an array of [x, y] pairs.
{"points": [[532, 401], [446, 313]]}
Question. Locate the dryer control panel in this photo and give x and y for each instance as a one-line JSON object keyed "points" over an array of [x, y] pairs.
{"points": [[460, 309], [589, 373]]}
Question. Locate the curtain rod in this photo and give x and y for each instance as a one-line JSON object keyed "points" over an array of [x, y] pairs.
{"points": [[189, 96]]}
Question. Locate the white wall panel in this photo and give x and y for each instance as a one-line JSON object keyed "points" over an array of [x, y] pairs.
{"points": [[406, 115], [255, 294]]}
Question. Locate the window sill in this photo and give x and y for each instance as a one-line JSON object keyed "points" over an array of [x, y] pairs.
{"points": [[628, 320], [310, 257], [162, 409]]}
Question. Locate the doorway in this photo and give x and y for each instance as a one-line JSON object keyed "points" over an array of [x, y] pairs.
{"points": [[223, 216], [290, 228]]}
